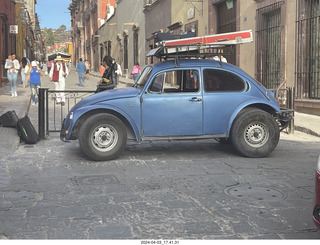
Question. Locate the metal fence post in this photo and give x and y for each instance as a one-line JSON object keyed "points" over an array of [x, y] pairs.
{"points": [[291, 106], [41, 113]]}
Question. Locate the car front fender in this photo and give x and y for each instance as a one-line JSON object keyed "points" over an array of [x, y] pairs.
{"points": [[81, 114]]}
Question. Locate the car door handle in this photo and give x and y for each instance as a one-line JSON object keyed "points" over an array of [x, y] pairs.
{"points": [[195, 99]]}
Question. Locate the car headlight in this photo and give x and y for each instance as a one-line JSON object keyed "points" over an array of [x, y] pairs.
{"points": [[318, 164], [71, 116]]}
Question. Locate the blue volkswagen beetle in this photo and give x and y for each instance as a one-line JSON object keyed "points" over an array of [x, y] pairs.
{"points": [[189, 99]]}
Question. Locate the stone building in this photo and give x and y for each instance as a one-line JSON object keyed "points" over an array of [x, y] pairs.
{"points": [[18, 23], [28, 38], [108, 27], [285, 52], [176, 17], [86, 18], [7, 40], [123, 35]]}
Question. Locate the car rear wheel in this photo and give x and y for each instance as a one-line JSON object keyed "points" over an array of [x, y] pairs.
{"points": [[102, 137], [255, 133]]}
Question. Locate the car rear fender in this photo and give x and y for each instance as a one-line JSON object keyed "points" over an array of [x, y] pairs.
{"points": [[80, 115], [268, 107]]}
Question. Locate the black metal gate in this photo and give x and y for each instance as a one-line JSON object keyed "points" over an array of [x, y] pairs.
{"points": [[51, 113], [308, 49]]}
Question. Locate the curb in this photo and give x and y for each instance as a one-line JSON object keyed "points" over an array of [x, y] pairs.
{"points": [[306, 131]]}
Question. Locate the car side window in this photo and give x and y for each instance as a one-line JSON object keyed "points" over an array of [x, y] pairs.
{"points": [[222, 81], [176, 81], [157, 84]]}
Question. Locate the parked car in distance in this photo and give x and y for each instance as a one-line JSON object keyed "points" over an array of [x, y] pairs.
{"points": [[188, 99], [316, 211]]}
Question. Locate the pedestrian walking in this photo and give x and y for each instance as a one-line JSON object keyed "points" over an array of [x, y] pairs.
{"points": [[44, 68], [8, 64], [58, 73], [24, 70], [136, 71], [12, 65], [81, 70], [35, 82], [49, 65]]}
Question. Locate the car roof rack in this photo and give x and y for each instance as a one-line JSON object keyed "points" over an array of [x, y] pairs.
{"points": [[200, 47], [192, 51]]}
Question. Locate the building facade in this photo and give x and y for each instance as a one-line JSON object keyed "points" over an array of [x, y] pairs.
{"points": [[286, 46], [307, 56], [20, 32], [284, 54], [77, 30], [7, 40], [84, 26], [123, 35], [108, 27], [33, 46]]}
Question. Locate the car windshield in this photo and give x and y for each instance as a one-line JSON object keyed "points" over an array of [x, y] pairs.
{"points": [[144, 77]]}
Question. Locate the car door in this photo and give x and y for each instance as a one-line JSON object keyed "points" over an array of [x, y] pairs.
{"points": [[172, 105]]}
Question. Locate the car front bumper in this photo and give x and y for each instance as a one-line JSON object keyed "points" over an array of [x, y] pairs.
{"points": [[63, 132], [284, 118], [66, 127]]}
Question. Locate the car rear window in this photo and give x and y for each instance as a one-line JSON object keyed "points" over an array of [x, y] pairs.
{"points": [[222, 81]]}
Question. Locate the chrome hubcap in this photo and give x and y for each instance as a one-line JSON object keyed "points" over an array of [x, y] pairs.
{"points": [[104, 138], [256, 134]]}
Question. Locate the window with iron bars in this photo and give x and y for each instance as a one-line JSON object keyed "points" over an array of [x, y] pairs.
{"points": [[268, 45], [308, 49]]}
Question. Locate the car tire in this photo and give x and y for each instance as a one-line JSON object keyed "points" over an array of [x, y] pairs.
{"points": [[255, 133], [102, 137]]}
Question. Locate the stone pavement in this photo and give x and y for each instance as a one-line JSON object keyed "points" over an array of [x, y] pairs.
{"points": [[305, 123], [154, 190]]}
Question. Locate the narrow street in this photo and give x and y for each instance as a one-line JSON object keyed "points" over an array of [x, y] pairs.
{"points": [[168, 191], [158, 190]]}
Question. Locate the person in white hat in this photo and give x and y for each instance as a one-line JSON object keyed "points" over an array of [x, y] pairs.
{"points": [[58, 73], [35, 82]]}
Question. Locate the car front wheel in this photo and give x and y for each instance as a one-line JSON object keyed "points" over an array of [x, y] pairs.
{"points": [[102, 137], [255, 133]]}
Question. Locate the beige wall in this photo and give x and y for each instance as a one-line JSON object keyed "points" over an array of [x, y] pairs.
{"points": [[180, 10], [247, 22]]}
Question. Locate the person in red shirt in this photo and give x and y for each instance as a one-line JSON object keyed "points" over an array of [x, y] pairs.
{"points": [[58, 73]]}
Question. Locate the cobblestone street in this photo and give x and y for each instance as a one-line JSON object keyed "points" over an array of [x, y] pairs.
{"points": [[201, 90], [157, 190]]}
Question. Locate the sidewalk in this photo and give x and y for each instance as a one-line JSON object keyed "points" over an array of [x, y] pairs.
{"points": [[305, 123], [9, 139]]}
